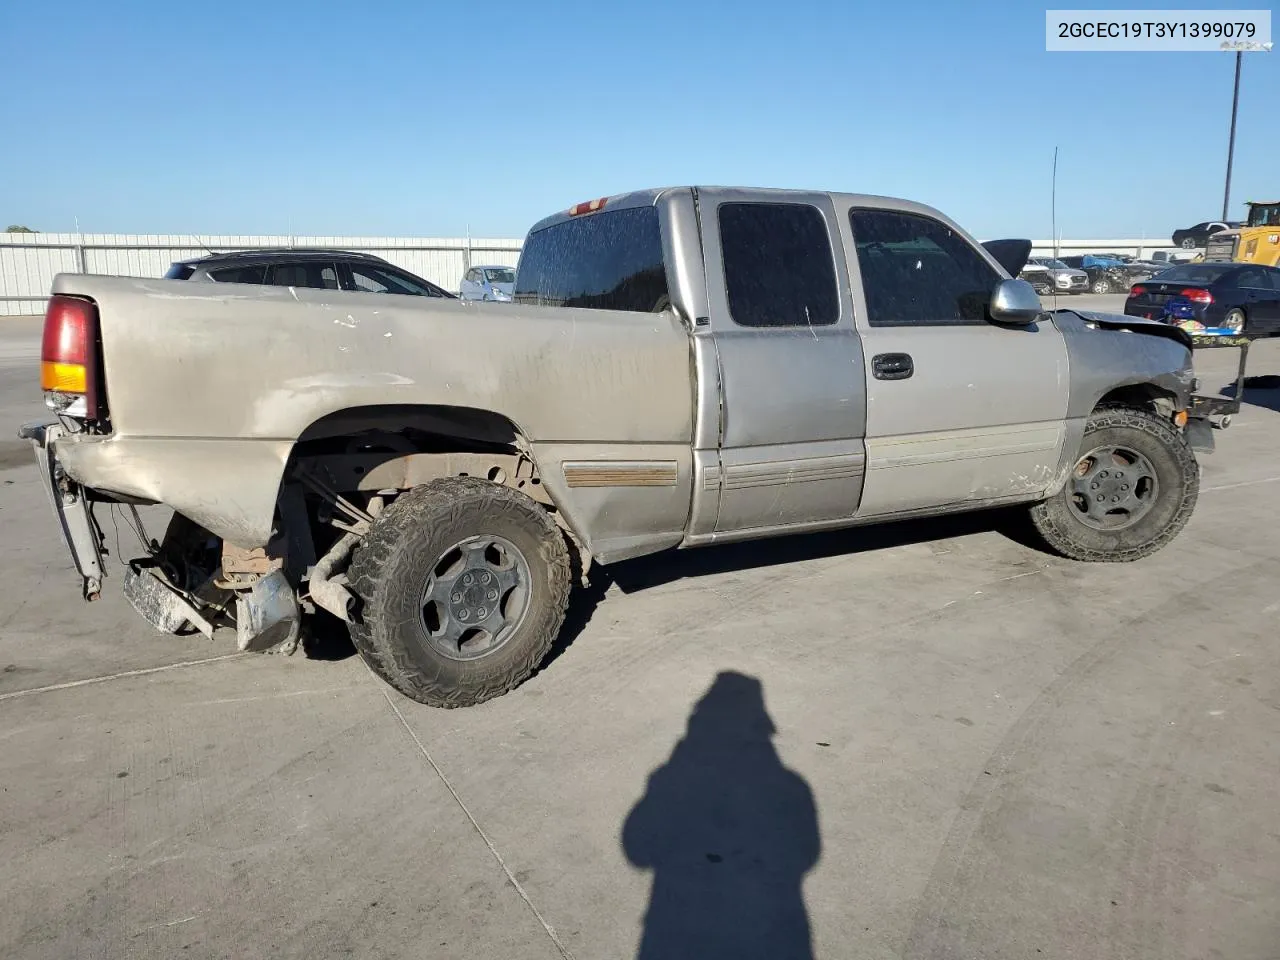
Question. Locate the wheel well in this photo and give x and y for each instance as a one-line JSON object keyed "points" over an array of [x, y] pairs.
{"points": [[1139, 396], [450, 425], [367, 449]]}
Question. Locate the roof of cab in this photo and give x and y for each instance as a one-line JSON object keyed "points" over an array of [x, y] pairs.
{"points": [[644, 198]]}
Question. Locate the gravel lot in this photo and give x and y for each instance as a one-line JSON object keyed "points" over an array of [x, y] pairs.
{"points": [[961, 747]]}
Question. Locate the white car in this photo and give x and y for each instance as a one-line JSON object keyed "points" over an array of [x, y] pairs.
{"points": [[1065, 279], [488, 283]]}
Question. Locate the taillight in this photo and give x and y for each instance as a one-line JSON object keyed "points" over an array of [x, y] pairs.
{"points": [[1196, 295], [590, 206], [69, 357], [1137, 290]]}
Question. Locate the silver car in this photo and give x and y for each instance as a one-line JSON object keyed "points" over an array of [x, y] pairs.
{"points": [[488, 283], [1065, 279]]}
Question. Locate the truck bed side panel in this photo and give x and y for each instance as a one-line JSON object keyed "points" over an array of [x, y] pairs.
{"points": [[199, 364]]}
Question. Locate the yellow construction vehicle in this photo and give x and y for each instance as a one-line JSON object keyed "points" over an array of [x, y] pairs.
{"points": [[1258, 241]]}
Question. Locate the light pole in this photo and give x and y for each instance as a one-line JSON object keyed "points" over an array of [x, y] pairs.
{"points": [[1231, 144]]}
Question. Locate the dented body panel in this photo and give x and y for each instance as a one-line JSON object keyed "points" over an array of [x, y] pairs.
{"points": [[209, 389]]}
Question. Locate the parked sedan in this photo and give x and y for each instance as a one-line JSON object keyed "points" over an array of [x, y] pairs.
{"points": [[1065, 279], [488, 283], [1225, 297], [1199, 235]]}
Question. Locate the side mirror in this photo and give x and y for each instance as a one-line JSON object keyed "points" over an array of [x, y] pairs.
{"points": [[1014, 301]]}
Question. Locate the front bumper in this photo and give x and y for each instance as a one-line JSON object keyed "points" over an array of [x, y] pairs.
{"points": [[71, 506]]}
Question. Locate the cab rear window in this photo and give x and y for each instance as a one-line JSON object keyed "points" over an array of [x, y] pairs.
{"points": [[605, 261]]}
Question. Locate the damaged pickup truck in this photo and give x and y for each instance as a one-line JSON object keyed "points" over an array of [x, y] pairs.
{"points": [[681, 367]]}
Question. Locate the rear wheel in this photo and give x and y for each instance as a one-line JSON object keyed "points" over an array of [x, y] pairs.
{"points": [[1132, 489], [1188, 243], [464, 585], [1234, 320]]}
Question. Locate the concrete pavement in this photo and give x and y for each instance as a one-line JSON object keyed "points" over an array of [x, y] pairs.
{"points": [[997, 754]]}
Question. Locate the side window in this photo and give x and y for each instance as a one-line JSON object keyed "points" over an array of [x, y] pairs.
{"points": [[917, 271], [371, 279], [1252, 277], [779, 270], [240, 275], [311, 273], [602, 261]]}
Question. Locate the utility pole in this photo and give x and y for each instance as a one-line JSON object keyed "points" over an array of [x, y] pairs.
{"points": [[1231, 144], [1053, 204]]}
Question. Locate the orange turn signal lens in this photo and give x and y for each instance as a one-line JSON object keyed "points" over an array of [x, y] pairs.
{"points": [[63, 377], [1180, 418]]}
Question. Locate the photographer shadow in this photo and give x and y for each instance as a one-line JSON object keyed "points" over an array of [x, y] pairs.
{"points": [[729, 833]]}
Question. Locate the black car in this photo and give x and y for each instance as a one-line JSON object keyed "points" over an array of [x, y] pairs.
{"points": [[1199, 235], [1241, 298], [322, 269]]}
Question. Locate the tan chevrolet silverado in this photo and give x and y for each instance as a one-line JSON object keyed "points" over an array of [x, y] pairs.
{"points": [[681, 367]]}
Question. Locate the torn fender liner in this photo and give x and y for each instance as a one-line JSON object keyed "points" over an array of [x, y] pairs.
{"points": [[267, 616], [160, 604], [1119, 321]]}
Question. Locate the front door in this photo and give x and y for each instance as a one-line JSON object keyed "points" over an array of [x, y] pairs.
{"points": [[960, 410], [790, 367], [1261, 289]]}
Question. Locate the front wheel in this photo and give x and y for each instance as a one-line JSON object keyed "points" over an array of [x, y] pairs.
{"points": [[1131, 491], [1101, 285], [464, 585]]}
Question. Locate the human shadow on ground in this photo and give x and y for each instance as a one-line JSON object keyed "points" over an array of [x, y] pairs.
{"points": [[729, 834]]}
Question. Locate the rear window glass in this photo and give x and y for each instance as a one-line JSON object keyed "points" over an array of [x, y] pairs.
{"points": [[240, 275], [603, 261], [179, 271], [778, 266], [1195, 272]]}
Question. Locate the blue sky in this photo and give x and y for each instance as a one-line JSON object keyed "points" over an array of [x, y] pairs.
{"points": [[432, 118]]}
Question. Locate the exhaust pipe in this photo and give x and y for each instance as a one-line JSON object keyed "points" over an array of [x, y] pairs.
{"points": [[334, 597]]}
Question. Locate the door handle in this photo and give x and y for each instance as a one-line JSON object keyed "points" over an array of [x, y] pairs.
{"points": [[892, 366]]}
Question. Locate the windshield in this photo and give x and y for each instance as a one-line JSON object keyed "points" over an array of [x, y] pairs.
{"points": [[179, 271], [1264, 215], [501, 275], [1056, 264], [1194, 273]]}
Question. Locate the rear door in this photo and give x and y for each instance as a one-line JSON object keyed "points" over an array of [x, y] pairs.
{"points": [[319, 274], [790, 366], [467, 289], [959, 409]]}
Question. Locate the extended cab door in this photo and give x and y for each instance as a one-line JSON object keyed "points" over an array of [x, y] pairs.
{"points": [[960, 410], [791, 383]]}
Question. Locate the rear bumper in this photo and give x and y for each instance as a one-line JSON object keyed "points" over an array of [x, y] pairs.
{"points": [[71, 506]]}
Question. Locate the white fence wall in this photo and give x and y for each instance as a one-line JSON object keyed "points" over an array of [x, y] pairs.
{"points": [[29, 261]]}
